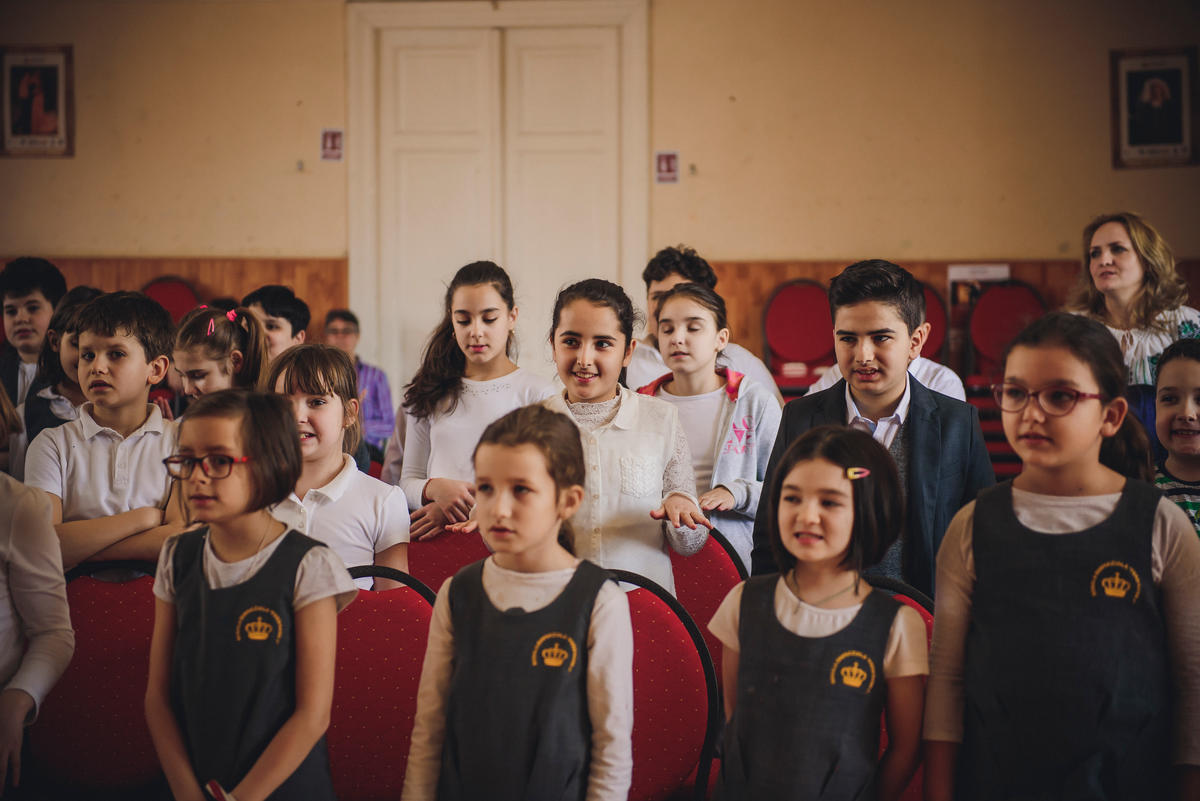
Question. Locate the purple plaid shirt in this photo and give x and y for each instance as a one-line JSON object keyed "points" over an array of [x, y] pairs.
{"points": [[378, 415]]}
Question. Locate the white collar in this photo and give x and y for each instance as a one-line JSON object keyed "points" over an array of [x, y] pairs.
{"points": [[898, 416], [337, 487]]}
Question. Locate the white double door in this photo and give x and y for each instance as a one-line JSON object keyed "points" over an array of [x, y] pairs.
{"points": [[499, 144]]}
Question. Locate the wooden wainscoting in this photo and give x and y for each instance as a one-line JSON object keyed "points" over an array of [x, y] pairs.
{"points": [[321, 283], [746, 285]]}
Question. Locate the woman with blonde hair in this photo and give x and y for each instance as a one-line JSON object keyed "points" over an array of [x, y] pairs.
{"points": [[1129, 283]]}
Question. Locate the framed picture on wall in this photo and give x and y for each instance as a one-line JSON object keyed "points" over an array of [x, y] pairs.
{"points": [[39, 101], [1154, 109]]}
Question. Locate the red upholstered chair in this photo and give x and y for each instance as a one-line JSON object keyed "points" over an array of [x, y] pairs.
{"points": [[433, 561], [997, 316], [91, 738], [175, 294], [909, 596], [381, 647], [939, 321], [702, 581], [676, 713], [797, 334]]}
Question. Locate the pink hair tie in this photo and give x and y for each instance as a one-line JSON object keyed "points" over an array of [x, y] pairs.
{"points": [[212, 326], [232, 315]]}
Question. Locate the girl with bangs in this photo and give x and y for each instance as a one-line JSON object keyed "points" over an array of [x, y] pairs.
{"points": [[362, 519]]}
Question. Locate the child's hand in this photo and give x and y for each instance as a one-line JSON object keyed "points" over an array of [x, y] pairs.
{"points": [[15, 706], [717, 498], [454, 498], [426, 523], [681, 511], [469, 527]]}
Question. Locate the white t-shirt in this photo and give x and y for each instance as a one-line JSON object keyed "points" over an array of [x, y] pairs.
{"points": [[96, 472], [355, 515], [647, 364], [321, 573], [440, 446], [700, 416], [36, 638], [609, 680], [906, 654], [932, 375]]}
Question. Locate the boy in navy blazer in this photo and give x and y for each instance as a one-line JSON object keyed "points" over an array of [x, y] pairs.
{"points": [[878, 311]]}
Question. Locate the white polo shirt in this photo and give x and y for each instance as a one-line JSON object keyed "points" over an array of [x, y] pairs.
{"points": [[96, 472], [355, 515]]}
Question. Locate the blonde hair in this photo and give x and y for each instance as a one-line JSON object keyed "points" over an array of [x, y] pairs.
{"points": [[1162, 287]]}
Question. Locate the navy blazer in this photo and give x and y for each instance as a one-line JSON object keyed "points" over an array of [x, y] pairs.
{"points": [[948, 465]]}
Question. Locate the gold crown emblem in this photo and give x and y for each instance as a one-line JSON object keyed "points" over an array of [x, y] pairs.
{"points": [[258, 629], [1115, 586], [554, 656], [853, 675]]}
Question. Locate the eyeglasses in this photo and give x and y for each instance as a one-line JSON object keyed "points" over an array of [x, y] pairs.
{"points": [[214, 465], [1054, 401]]}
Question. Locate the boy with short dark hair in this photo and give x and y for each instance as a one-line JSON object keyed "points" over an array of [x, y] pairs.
{"points": [[104, 471], [878, 315], [30, 288], [669, 267], [284, 316]]}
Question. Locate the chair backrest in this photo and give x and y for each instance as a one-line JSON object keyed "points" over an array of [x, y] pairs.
{"points": [[381, 647], [676, 711], [176, 295], [939, 321], [997, 316], [909, 596], [703, 580], [433, 561], [91, 735], [797, 326]]}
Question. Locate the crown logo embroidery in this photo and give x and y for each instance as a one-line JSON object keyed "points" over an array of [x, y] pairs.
{"points": [[258, 624], [555, 650], [854, 670], [1118, 581], [1115, 586], [259, 629], [853, 675], [554, 656]]}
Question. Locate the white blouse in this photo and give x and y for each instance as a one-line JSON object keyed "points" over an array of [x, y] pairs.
{"points": [[1142, 346]]}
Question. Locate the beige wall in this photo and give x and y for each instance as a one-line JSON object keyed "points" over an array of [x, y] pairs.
{"points": [[191, 117], [934, 129]]}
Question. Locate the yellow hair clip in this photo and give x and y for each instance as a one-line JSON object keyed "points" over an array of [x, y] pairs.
{"points": [[857, 472]]}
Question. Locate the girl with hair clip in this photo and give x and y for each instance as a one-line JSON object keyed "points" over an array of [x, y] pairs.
{"points": [[526, 693], [245, 624], [1066, 655], [217, 350], [55, 396], [1129, 283], [466, 380], [730, 420], [640, 483], [812, 656], [362, 519]]}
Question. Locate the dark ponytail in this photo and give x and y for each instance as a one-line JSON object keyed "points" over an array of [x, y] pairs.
{"points": [[1128, 451], [439, 379]]}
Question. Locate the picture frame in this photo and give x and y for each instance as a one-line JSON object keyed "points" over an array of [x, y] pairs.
{"points": [[1154, 107], [38, 101]]}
